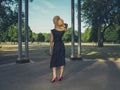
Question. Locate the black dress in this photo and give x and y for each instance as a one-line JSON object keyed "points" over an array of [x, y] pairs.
{"points": [[58, 54]]}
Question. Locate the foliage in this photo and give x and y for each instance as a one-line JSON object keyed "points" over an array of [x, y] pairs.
{"points": [[47, 37], [40, 37], [100, 15], [34, 37], [8, 15], [67, 35], [13, 33], [110, 35], [86, 35]]}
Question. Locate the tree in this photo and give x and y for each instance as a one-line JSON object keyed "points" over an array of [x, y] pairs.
{"points": [[13, 33], [67, 35], [47, 37], [8, 15], [111, 36], [41, 37], [29, 34], [86, 35], [100, 14], [34, 37]]}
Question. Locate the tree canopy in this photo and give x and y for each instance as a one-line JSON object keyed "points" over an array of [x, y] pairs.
{"points": [[101, 15], [8, 14]]}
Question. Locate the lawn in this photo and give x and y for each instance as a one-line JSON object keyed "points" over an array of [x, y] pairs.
{"points": [[88, 51], [108, 52]]}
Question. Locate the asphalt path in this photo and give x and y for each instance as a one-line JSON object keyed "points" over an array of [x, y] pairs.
{"points": [[79, 75]]}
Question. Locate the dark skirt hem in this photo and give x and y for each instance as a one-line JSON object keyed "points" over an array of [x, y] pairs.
{"points": [[57, 66]]}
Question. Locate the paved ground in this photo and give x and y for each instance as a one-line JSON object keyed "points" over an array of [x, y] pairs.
{"points": [[79, 75]]}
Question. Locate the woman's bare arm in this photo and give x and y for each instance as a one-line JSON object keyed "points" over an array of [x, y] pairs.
{"points": [[51, 43]]}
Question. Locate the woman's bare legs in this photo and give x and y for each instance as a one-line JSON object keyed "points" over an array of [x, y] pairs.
{"points": [[54, 73], [61, 71]]}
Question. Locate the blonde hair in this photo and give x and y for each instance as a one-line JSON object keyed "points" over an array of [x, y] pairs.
{"points": [[60, 22], [55, 19]]}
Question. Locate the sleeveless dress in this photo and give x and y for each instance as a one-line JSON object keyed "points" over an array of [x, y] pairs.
{"points": [[58, 53]]}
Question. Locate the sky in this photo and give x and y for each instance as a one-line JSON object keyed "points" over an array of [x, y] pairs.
{"points": [[41, 13]]}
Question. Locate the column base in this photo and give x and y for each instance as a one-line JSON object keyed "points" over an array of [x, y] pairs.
{"points": [[79, 57], [22, 60]]}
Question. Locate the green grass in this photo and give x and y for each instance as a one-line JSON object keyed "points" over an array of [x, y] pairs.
{"points": [[88, 51], [108, 52]]}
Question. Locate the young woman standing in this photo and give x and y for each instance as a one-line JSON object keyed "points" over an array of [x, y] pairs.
{"points": [[57, 48]]}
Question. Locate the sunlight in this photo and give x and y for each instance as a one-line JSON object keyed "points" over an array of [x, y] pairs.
{"points": [[91, 53]]}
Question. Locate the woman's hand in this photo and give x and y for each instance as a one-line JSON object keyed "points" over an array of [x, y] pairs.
{"points": [[65, 25]]}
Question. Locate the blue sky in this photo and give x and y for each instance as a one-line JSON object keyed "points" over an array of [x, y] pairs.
{"points": [[41, 13]]}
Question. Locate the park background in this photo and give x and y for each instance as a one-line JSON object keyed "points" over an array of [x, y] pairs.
{"points": [[100, 27]]}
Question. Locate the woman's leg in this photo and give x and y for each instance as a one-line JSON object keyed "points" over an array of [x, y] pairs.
{"points": [[61, 71], [54, 73]]}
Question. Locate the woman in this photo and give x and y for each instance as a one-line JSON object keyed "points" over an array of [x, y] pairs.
{"points": [[57, 49]]}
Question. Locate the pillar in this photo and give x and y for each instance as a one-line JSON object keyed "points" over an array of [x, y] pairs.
{"points": [[20, 58], [26, 31], [79, 28], [19, 30], [72, 28]]}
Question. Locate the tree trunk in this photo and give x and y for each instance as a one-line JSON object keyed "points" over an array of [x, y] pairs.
{"points": [[100, 38]]}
